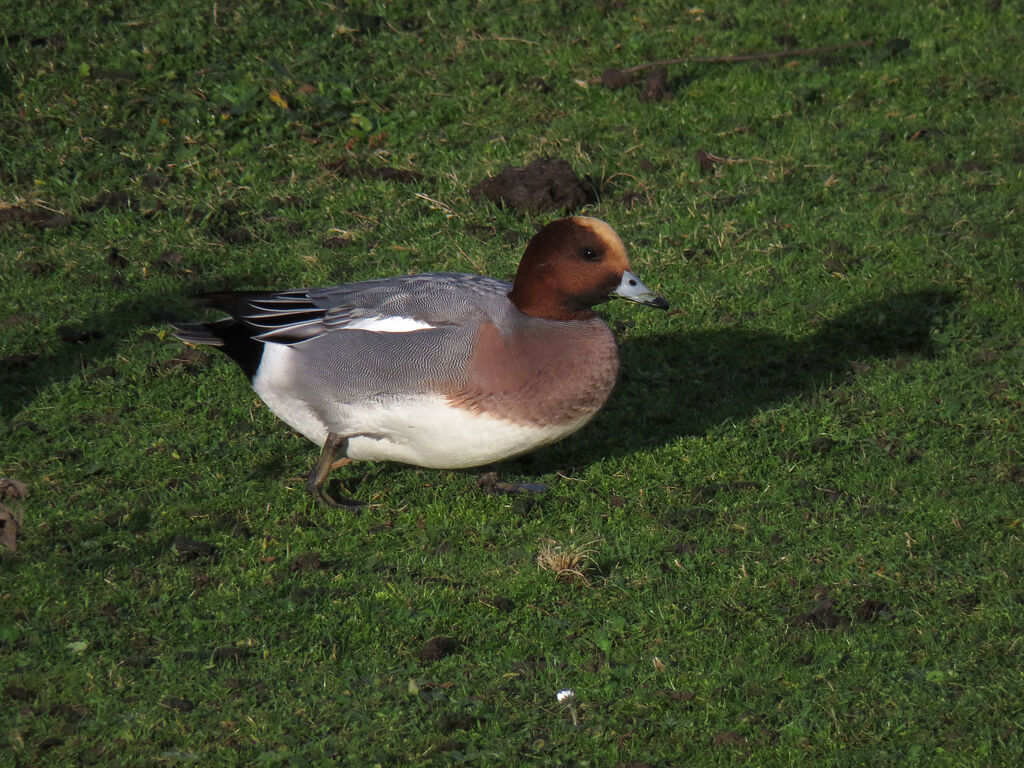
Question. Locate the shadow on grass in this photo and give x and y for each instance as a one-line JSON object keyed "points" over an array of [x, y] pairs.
{"points": [[686, 382], [84, 349], [675, 384]]}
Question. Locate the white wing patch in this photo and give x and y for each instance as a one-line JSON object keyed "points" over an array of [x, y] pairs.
{"points": [[387, 325]]}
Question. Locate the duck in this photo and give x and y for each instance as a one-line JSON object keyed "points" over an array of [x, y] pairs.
{"points": [[439, 370]]}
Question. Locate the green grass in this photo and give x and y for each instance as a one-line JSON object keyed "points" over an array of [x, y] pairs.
{"points": [[804, 499]]}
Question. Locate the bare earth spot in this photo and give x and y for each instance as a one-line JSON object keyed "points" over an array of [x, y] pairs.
{"points": [[191, 549], [34, 217], [181, 705], [307, 561], [71, 335], [546, 184], [189, 359], [654, 86], [438, 647], [729, 739], [490, 484], [615, 79], [822, 616], [112, 201]]}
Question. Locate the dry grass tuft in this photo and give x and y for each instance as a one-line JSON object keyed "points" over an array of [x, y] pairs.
{"points": [[569, 563]]}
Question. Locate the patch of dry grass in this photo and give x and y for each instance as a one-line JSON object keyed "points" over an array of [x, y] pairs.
{"points": [[570, 563]]}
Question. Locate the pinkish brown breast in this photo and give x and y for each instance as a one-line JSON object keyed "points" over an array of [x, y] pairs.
{"points": [[554, 373]]}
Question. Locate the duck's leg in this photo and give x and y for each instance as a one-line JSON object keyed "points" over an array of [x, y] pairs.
{"points": [[318, 474]]}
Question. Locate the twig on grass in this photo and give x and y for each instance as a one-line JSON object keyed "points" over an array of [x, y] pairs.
{"points": [[619, 77], [709, 163]]}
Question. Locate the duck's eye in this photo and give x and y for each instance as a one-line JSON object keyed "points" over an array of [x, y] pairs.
{"points": [[590, 254]]}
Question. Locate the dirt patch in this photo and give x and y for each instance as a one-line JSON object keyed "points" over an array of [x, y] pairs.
{"points": [[111, 201], [871, 610], [654, 86], [707, 492], [33, 217], [228, 653], [685, 518], [455, 721], [729, 739], [546, 184], [190, 359], [438, 647], [178, 704], [707, 162], [308, 561], [171, 261], [500, 602], [615, 79], [489, 483], [73, 335], [822, 616], [336, 242], [826, 614], [192, 549]]}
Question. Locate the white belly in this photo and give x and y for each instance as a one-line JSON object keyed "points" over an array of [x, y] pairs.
{"points": [[429, 432], [424, 430]]}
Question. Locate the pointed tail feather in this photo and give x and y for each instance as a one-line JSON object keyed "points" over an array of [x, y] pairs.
{"points": [[200, 333], [231, 337]]}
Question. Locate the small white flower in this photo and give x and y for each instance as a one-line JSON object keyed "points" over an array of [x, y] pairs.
{"points": [[568, 700]]}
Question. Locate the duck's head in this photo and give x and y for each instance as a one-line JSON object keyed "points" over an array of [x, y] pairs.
{"points": [[573, 264]]}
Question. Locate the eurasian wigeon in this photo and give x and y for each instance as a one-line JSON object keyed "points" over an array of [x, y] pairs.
{"points": [[438, 370]]}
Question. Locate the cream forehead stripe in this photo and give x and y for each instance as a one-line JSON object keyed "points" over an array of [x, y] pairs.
{"points": [[602, 230]]}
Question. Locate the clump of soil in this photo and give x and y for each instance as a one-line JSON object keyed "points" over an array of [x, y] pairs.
{"points": [[546, 184], [33, 217], [655, 82], [823, 616], [654, 86], [438, 647], [615, 79]]}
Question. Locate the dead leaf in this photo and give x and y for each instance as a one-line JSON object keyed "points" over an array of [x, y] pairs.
{"points": [[278, 99]]}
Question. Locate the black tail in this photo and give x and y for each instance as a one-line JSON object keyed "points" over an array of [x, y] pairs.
{"points": [[233, 337]]}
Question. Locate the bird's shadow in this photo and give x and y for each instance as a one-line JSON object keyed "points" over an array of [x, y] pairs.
{"points": [[86, 348], [686, 382], [672, 384]]}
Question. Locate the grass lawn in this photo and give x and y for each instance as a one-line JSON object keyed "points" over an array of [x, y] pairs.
{"points": [[798, 520]]}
